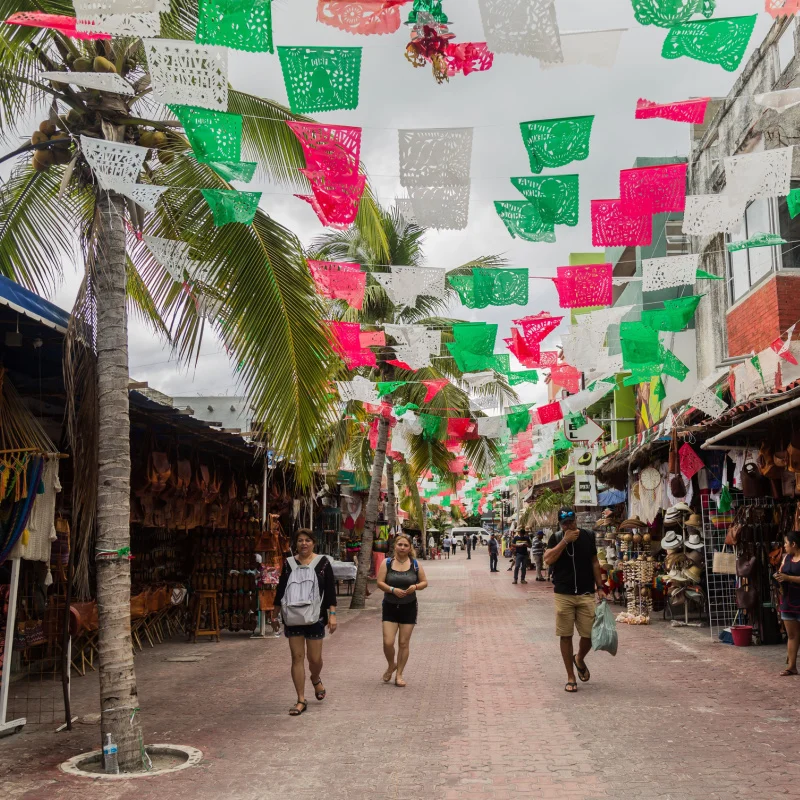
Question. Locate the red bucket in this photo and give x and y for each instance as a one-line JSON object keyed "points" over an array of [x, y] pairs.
{"points": [[742, 635]]}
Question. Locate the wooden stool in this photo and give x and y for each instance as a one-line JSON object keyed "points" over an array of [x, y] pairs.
{"points": [[206, 601]]}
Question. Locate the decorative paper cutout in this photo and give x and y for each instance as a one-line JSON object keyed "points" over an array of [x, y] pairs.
{"points": [[335, 198], [707, 214], [387, 387], [56, 22], [188, 74], [440, 207], [754, 175], [675, 315], [431, 427], [668, 13], [595, 48], [366, 18], [102, 82], [113, 163], [335, 149], [213, 135], [552, 412], [462, 428], [405, 284], [782, 8], [780, 100], [238, 24], [492, 427], [522, 27], [665, 273], [527, 376], [372, 339], [556, 142], [228, 205], [653, 190], [423, 8], [537, 328], [585, 286], [518, 420], [693, 111], [120, 17], [339, 281], [793, 202], [640, 345], [172, 254], [435, 157], [321, 78], [142, 194], [468, 57], [757, 240], [495, 287], [707, 402], [555, 197], [690, 462], [433, 387], [566, 376], [345, 339], [475, 380], [358, 389], [523, 220], [715, 41], [405, 209], [613, 227]]}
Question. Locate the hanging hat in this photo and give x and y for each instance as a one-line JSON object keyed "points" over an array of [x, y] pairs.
{"points": [[696, 557], [632, 522], [671, 541], [694, 541], [683, 507], [675, 576], [693, 574], [671, 515], [694, 521]]}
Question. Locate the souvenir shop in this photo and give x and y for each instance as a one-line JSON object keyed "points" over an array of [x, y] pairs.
{"points": [[701, 535]]}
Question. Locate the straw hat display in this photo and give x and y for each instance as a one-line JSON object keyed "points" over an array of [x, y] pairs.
{"points": [[631, 523]]}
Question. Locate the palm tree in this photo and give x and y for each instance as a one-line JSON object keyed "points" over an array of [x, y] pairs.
{"points": [[404, 248], [254, 276]]}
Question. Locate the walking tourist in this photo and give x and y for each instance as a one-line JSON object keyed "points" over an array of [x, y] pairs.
{"points": [[789, 578], [474, 541], [537, 554], [576, 576], [468, 542], [446, 546], [520, 544], [431, 545], [306, 598], [400, 577], [494, 552]]}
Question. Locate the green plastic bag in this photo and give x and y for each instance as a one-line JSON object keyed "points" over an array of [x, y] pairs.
{"points": [[604, 629]]}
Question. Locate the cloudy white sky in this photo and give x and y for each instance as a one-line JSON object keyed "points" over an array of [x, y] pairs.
{"points": [[395, 95]]}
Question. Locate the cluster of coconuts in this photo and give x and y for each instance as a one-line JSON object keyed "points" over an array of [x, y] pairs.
{"points": [[60, 154]]}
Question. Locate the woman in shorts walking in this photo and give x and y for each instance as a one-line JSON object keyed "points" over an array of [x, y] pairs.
{"points": [[400, 578]]}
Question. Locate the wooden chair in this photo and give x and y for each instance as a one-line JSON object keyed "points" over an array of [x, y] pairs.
{"points": [[83, 628], [206, 602]]}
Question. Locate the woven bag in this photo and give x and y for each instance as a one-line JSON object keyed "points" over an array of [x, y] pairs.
{"points": [[724, 563]]}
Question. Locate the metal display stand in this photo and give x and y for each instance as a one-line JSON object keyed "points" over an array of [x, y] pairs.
{"points": [[14, 725]]}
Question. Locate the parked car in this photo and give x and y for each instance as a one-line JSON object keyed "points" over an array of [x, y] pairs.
{"points": [[459, 533]]}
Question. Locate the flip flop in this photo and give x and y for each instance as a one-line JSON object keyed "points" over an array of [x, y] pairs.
{"points": [[399, 682], [295, 711], [319, 693], [389, 672], [786, 673], [574, 688], [582, 670]]}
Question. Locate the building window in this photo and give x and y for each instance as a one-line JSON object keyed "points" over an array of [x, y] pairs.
{"points": [[790, 230], [747, 267]]}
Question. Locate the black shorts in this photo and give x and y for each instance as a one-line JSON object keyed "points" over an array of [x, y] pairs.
{"points": [[315, 631], [400, 613]]}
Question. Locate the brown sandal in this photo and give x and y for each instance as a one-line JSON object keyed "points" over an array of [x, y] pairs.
{"points": [[295, 711], [787, 672], [573, 684], [319, 693]]}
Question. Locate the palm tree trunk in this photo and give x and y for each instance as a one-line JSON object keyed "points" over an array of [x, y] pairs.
{"points": [[118, 695], [371, 517], [391, 500]]}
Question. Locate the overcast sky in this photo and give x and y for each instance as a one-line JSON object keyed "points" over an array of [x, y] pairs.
{"points": [[395, 95]]}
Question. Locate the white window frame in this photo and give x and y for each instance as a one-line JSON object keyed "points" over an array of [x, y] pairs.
{"points": [[775, 253]]}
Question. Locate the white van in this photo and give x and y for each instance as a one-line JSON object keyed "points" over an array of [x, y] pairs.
{"points": [[459, 533]]}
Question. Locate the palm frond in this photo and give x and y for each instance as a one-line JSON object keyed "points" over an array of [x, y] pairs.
{"points": [[141, 301]]}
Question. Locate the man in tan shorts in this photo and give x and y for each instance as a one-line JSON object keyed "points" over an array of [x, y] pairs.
{"points": [[576, 577]]}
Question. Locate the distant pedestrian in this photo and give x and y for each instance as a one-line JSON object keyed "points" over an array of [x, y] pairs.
{"points": [[789, 578], [520, 544], [446, 546], [537, 554], [474, 541], [468, 539], [307, 606], [494, 552], [400, 578], [576, 576]]}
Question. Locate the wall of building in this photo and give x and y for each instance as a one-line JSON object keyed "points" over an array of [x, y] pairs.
{"points": [[739, 126]]}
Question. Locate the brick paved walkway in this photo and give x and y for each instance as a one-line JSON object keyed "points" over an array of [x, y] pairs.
{"points": [[673, 716]]}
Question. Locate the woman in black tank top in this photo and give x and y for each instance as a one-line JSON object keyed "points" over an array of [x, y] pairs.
{"points": [[400, 578]]}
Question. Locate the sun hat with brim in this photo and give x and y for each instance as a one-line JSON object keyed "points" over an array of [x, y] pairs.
{"points": [[632, 522], [694, 521], [696, 557], [671, 517], [694, 541], [693, 574], [671, 541], [682, 507], [675, 576]]}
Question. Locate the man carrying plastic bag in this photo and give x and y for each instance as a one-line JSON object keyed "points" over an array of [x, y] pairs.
{"points": [[604, 629]]}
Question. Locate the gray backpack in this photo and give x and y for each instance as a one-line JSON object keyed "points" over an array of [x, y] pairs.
{"points": [[302, 603]]}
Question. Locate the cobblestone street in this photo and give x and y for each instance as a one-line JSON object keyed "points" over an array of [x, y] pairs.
{"points": [[485, 715]]}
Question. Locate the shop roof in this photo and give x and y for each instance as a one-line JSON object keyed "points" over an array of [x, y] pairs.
{"points": [[23, 301]]}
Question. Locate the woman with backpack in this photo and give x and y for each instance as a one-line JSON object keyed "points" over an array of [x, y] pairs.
{"points": [[306, 597], [400, 578]]}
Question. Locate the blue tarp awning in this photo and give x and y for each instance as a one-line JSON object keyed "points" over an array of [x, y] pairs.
{"points": [[23, 301], [610, 497]]}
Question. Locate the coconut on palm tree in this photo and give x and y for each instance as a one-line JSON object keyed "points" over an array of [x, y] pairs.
{"points": [[404, 240], [251, 287]]}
